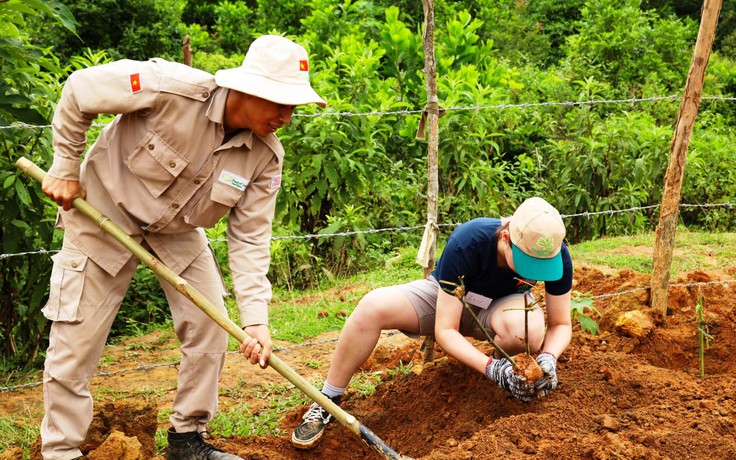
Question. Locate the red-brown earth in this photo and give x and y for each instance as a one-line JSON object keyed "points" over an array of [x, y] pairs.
{"points": [[619, 397]]}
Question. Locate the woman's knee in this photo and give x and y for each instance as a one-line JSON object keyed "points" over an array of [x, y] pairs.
{"points": [[511, 330], [371, 307], [383, 308]]}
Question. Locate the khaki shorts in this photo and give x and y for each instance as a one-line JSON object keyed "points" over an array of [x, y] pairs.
{"points": [[423, 296]]}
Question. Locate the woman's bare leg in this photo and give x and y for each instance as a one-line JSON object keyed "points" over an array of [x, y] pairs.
{"points": [[381, 309]]}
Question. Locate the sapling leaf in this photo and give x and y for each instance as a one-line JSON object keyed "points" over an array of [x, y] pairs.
{"points": [[587, 324]]}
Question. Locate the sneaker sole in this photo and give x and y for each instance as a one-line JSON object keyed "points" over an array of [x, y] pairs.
{"points": [[305, 445]]}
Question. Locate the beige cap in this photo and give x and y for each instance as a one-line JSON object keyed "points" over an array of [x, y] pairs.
{"points": [[276, 69], [537, 233]]}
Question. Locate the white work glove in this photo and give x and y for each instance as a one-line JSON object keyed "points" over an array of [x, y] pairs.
{"points": [[501, 371], [548, 382]]}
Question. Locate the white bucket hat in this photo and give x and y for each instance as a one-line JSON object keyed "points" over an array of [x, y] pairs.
{"points": [[276, 69]]}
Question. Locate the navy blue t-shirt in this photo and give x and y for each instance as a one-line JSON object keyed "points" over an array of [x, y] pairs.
{"points": [[472, 252]]}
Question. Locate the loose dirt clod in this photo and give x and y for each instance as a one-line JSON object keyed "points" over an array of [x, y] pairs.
{"points": [[528, 368]]}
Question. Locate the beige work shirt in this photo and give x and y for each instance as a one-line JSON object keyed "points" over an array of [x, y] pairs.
{"points": [[163, 171]]}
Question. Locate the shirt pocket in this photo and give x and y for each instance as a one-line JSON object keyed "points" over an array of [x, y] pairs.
{"points": [[226, 195], [211, 207], [67, 284], [155, 163]]}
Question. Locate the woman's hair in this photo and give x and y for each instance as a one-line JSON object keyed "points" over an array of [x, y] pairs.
{"points": [[504, 226]]}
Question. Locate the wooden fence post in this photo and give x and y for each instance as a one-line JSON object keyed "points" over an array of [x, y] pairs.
{"points": [[432, 116], [669, 208], [187, 51]]}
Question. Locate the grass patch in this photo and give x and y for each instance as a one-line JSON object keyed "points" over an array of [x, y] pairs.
{"points": [[313, 363], [241, 420], [365, 383], [21, 430], [161, 439], [297, 316], [693, 251]]}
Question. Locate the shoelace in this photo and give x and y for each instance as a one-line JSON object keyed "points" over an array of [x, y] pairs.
{"points": [[204, 447], [316, 413]]}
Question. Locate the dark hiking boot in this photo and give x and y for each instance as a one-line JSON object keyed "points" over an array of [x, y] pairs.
{"points": [[313, 424], [191, 446]]}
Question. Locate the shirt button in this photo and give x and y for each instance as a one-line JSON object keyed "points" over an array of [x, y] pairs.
{"points": [[150, 147], [197, 181], [172, 164], [205, 94], [175, 206], [216, 153], [75, 264]]}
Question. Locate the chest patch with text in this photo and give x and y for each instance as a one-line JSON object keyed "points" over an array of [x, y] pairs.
{"points": [[233, 180]]}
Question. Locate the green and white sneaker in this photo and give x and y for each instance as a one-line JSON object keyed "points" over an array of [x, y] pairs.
{"points": [[313, 424]]}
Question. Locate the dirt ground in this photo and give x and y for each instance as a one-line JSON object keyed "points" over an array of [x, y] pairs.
{"points": [[620, 397]]}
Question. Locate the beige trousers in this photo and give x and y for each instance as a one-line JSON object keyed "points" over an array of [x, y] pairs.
{"points": [[83, 303]]}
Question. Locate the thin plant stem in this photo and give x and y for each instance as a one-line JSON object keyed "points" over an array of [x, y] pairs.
{"points": [[459, 293], [703, 335], [488, 336], [527, 307], [526, 324]]}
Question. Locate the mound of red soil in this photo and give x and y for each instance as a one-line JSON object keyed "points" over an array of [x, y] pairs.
{"points": [[619, 397]]}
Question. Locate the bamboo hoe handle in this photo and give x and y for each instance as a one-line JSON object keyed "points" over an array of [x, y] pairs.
{"points": [[33, 171]]}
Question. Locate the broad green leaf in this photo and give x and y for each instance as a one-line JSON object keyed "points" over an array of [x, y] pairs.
{"points": [[588, 325], [9, 99], [20, 224], [22, 193], [56, 10], [8, 30], [30, 116]]}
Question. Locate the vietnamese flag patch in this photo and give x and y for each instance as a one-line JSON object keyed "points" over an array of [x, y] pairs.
{"points": [[303, 65], [135, 82]]}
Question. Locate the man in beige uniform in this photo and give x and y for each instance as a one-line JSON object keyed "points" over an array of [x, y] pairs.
{"points": [[185, 149]]}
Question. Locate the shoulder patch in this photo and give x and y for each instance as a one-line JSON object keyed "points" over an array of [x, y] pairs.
{"points": [[135, 83], [275, 182]]}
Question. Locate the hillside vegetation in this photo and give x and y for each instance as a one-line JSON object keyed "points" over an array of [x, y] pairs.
{"points": [[571, 100]]}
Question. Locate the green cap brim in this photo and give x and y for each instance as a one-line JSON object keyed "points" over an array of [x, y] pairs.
{"points": [[537, 269]]}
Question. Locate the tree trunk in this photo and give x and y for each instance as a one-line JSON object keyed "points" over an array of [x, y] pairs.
{"points": [[430, 75], [669, 208]]}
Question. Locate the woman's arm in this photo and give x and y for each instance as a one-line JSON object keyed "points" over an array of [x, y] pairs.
{"points": [[559, 324], [447, 333]]}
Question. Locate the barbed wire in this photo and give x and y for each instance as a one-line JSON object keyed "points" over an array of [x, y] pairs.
{"points": [[409, 112], [726, 283], [349, 233], [147, 367], [609, 211], [410, 228], [21, 125], [707, 205], [523, 105], [18, 254]]}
